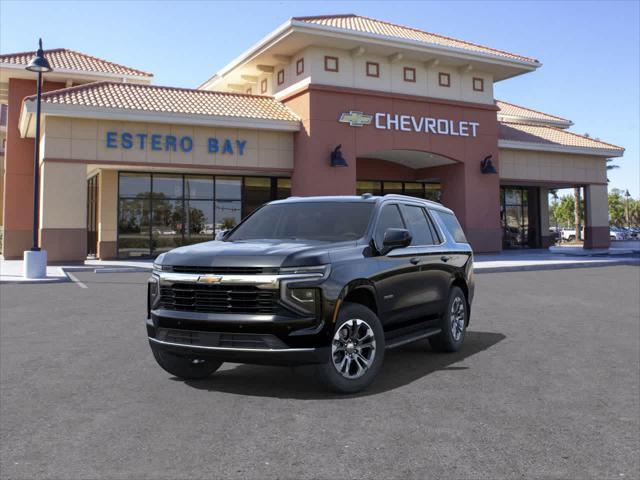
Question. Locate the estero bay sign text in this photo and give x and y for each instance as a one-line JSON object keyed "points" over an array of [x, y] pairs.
{"points": [[171, 143]]}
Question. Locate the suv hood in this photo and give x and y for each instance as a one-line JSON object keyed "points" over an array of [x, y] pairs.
{"points": [[260, 253]]}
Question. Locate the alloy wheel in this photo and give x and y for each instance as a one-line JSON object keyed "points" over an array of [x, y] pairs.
{"points": [[457, 318], [353, 348]]}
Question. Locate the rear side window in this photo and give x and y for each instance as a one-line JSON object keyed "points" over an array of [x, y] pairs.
{"points": [[451, 223], [389, 218], [417, 223]]}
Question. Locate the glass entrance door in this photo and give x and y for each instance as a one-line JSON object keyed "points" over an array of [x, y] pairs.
{"points": [[519, 217], [92, 216]]}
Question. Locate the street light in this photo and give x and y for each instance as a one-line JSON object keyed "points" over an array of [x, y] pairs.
{"points": [[626, 208], [35, 260]]}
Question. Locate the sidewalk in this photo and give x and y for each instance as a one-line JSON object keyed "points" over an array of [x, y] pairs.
{"points": [[506, 261], [543, 259]]}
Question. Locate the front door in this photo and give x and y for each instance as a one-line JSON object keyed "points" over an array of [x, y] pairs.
{"points": [[92, 216]]}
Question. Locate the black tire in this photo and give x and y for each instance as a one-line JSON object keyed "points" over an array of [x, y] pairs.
{"points": [[367, 325], [446, 341], [186, 368], [571, 238]]}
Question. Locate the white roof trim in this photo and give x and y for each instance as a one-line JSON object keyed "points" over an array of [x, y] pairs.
{"points": [[543, 147], [305, 27], [86, 73], [533, 121], [129, 115]]}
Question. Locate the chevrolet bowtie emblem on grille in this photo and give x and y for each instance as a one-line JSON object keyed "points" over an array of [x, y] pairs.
{"points": [[356, 119], [209, 279]]}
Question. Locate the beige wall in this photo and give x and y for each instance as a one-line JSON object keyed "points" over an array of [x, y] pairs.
{"points": [[352, 73], [108, 206], [552, 167], [80, 139], [63, 195], [598, 201]]}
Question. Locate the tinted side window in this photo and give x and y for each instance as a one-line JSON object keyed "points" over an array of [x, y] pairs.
{"points": [[452, 225], [389, 218], [417, 222]]}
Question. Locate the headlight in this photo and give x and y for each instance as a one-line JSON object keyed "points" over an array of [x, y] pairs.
{"points": [[305, 300], [157, 263], [315, 270]]}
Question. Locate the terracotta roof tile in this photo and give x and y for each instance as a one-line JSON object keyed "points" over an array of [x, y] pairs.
{"points": [[379, 27], [513, 110], [152, 98], [65, 59], [517, 132]]}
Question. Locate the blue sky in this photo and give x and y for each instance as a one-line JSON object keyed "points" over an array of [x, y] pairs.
{"points": [[589, 50]]}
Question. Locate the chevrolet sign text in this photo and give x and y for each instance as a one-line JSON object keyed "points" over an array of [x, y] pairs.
{"points": [[438, 126]]}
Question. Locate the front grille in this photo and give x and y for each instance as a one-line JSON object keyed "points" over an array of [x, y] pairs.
{"points": [[226, 270], [219, 339], [192, 297]]}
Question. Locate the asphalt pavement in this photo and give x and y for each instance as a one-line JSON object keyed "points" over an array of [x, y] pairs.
{"points": [[546, 386]]}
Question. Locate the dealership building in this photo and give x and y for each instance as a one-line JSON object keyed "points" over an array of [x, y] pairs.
{"points": [[331, 105]]}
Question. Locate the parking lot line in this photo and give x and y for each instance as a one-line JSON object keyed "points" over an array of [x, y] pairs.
{"points": [[75, 280]]}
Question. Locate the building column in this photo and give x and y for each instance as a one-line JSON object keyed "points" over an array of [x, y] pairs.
{"points": [[475, 199], [546, 239], [63, 211], [107, 214], [596, 216], [312, 170], [18, 173]]}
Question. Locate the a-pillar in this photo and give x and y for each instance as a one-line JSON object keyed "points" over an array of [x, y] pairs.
{"points": [[63, 211], [596, 216], [546, 240], [107, 214]]}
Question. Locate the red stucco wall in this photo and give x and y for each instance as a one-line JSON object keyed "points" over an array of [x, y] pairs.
{"points": [[473, 196]]}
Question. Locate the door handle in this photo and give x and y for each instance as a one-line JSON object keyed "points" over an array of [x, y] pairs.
{"points": [[445, 258], [415, 260]]}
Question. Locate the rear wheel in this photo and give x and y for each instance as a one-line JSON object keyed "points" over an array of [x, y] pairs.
{"points": [[187, 368], [454, 323], [357, 350]]}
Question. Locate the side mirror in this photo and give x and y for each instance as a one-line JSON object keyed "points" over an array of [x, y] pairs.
{"points": [[395, 238]]}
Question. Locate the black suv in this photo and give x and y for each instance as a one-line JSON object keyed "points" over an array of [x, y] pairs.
{"points": [[331, 281]]}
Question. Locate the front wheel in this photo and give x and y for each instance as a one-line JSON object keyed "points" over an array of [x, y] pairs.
{"points": [[357, 350], [187, 368], [454, 323]]}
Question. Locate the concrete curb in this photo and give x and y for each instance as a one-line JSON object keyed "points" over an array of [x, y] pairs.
{"points": [[552, 266]]}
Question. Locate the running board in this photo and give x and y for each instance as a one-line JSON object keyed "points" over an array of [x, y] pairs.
{"points": [[412, 337]]}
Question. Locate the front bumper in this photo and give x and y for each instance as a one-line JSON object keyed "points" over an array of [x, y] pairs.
{"points": [[266, 348]]}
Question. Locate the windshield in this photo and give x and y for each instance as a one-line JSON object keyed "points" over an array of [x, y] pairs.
{"points": [[320, 221]]}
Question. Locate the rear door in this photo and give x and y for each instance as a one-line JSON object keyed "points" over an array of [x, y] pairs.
{"points": [[429, 293]]}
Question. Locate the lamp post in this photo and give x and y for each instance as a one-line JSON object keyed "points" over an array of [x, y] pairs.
{"points": [[35, 260], [626, 208]]}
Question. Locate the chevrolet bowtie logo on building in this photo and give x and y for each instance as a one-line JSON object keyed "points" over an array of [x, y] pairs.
{"points": [[356, 119]]}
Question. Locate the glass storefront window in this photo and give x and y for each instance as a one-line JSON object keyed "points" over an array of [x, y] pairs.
{"points": [[228, 214], [392, 187], [167, 223], [167, 186], [199, 221], [135, 184], [228, 188], [198, 188], [414, 189], [133, 227], [374, 188], [283, 188], [433, 192], [158, 212], [257, 192]]}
